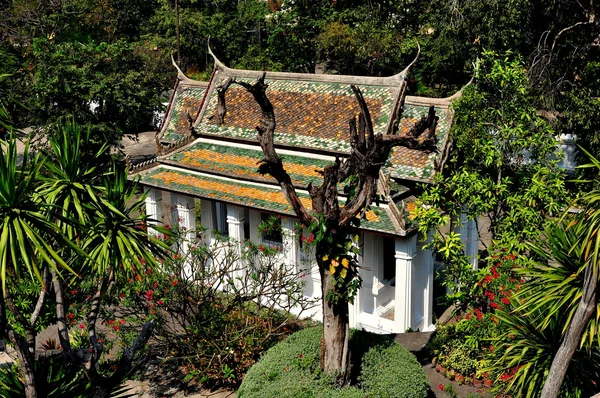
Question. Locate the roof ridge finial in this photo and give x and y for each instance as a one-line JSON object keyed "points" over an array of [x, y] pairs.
{"points": [[218, 64], [459, 93], [180, 74], [402, 75]]}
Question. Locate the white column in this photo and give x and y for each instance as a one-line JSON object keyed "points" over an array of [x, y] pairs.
{"points": [[428, 260], [290, 242], [469, 237], [183, 214], [472, 248], [235, 223], [154, 209], [406, 249], [254, 223], [209, 222]]}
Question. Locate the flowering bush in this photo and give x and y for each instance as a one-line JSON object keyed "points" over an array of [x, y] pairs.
{"points": [[464, 344]]}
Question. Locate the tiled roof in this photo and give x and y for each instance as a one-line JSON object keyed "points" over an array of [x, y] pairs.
{"points": [[312, 114], [242, 162], [246, 194], [187, 100]]}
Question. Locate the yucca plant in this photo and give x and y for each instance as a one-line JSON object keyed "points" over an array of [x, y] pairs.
{"points": [[559, 308], [59, 381]]}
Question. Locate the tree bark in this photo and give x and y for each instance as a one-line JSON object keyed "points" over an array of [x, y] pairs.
{"points": [[369, 153], [334, 347], [572, 338]]}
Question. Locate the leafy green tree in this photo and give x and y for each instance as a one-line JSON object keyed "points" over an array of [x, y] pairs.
{"points": [[100, 83], [51, 216], [503, 166]]}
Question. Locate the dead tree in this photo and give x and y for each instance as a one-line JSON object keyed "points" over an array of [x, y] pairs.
{"points": [[369, 152]]}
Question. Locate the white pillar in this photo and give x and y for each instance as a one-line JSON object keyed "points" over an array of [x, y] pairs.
{"points": [[290, 242], [183, 214], [235, 223], [406, 249], [428, 260], [209, 222], [154, 209], [469, 237]]}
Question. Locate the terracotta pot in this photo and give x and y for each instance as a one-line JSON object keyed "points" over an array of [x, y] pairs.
{"points": [[460, 379], [450, 374], [438, 368], [477, 382], [487, 383]]}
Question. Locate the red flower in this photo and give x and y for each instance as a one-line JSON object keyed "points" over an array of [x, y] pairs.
{"points": [[155, 285], [122, 295], [512, 256], [160, 302], [138, 278], [175, 282], [81, 326], [262, 248], [479, 316], [505, 301], [494, 305], [70, 316], [176, 256], [73, 291], [149, 295], [311, 238], [148, 271], [505, 377], [441, 387], [491, 348], [468, 317], [117, 327], [488, 279]]}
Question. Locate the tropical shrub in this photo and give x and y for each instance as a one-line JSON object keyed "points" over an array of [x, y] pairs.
{"points": [[291, 369], [462, 345], [215, 309]]}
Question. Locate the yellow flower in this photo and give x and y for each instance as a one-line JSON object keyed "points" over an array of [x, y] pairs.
{"points": [[345, 262]]}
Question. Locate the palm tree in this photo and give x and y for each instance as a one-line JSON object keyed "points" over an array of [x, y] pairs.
{"points": [[27, 241], [568, 284]]}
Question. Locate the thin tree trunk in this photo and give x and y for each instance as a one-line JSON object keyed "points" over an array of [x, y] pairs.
{"points": [[571, 339], [334, 347]]}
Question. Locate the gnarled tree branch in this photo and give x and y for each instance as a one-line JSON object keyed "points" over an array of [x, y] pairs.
{"points": [[271, 163]]}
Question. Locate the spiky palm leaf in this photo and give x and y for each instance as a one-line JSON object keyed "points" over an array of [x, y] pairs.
{"points": [[71, 182], [525, 352], [119, 236], [24, 229]]}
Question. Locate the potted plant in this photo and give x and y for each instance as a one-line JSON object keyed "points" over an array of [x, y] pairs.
{"points": [[460, 379], [477, 382], [488, 383]]}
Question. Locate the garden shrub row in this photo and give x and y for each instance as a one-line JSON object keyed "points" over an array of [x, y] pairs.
{"points": [[383, 369]]}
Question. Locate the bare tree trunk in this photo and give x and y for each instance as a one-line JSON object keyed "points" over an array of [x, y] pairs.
{"points": [[571, 339], [334, 347]]}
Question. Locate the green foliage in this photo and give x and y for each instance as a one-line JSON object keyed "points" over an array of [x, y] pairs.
{"points": [[504, 167], [71, 78], [545, 306], [230, 307], [291, 368], [26, 236], [60, 380]]}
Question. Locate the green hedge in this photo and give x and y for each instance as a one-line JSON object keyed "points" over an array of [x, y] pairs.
{"points": [[291, 369]]}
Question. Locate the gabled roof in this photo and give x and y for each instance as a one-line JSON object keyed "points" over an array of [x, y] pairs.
{"points": [[312, 114]]}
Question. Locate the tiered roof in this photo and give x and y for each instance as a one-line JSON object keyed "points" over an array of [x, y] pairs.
{"points": [[220, 162]]}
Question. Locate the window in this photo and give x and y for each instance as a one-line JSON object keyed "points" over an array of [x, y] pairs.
{"points": [[270, 228], [221, 212], [389, 258]]}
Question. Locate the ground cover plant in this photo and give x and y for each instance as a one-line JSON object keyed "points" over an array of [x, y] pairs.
{"points": [[380, 367]]}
